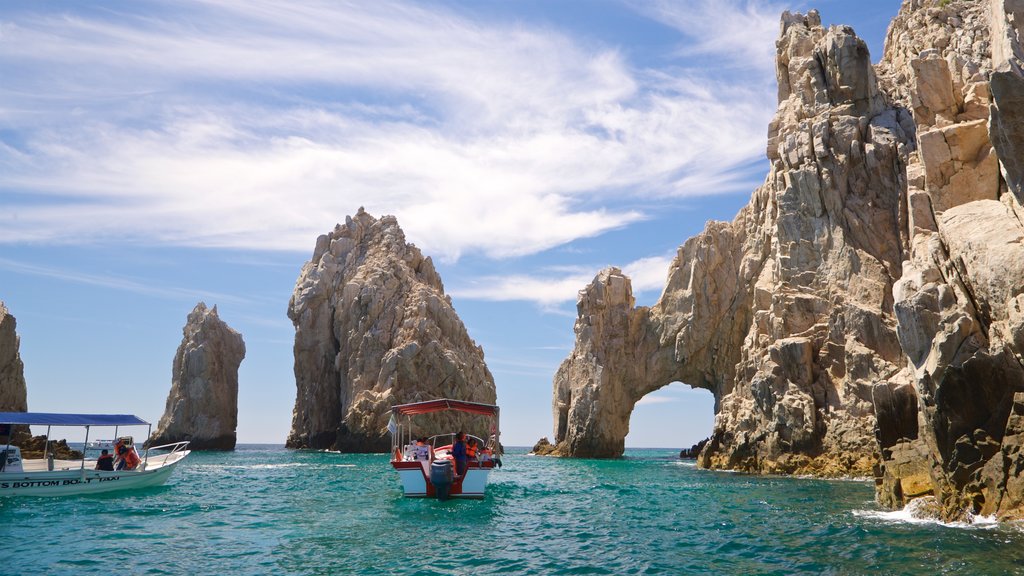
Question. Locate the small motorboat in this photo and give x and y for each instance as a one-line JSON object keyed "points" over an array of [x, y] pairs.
{"points": [[429, 471], [50, 476]]}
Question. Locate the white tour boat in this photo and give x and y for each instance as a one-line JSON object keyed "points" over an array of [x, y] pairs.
{"points": [[52, 477], [429, 472]]}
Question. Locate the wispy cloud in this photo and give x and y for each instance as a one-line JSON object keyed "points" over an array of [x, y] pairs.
{"points": [[261, 124], [118, 283], [551, 288]]}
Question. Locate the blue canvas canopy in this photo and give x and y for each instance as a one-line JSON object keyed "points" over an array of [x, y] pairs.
{"points": [[48, 419]]}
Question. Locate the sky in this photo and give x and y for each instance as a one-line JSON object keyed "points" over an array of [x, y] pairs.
{"points": [[156, 154]]}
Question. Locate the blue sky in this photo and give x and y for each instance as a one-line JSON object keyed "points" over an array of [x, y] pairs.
{"points": [[155, 154]]}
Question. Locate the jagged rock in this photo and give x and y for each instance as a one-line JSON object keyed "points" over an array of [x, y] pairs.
{"points": [[693, 452], [202, 406], [13, 393], [874, 283], [543, 447], [784, 314], [373, 328], [35, 448]]}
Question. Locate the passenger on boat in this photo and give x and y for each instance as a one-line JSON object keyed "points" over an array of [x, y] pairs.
{"points": [[424, 451], [472, 449], [105, 461], [459, 454], [127, 457]]}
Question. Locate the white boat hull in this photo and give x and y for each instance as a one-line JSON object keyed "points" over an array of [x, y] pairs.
{"points": [[415, 483], [68, 482]]}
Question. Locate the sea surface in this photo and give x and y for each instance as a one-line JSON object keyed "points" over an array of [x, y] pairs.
{"points": [[267, 510]]}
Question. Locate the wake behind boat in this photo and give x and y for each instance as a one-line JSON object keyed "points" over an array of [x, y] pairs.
{"points": [[428, 469], [50, 476]]}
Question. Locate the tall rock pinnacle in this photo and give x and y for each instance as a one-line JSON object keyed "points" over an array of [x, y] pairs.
{"points": [[202, 406], [373, 328], [13, 393]]}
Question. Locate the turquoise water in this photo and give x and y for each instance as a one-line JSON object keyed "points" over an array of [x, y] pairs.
{"points": [[267, 510]]}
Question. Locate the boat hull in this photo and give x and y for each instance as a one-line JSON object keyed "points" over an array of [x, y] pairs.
{"points": [[77, 481], [415, 481]]}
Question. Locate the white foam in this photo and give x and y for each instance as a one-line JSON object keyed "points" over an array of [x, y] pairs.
{"points": [[910, 515]]}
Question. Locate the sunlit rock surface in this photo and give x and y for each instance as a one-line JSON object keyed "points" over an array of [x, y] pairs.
{"points": [[202, 406], [374, 328], [864, 313], [13, 393]]}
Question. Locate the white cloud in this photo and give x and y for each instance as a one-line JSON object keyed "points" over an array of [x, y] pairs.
{"points": [[261, 124], [553, 287]]}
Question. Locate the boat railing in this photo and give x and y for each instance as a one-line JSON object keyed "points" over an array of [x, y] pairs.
{"points": [[171, 448]]}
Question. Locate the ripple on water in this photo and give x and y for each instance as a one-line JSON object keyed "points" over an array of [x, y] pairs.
{"points": [[273, 511]]}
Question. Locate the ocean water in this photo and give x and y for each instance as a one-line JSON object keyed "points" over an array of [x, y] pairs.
{"points": [[267, 510]]}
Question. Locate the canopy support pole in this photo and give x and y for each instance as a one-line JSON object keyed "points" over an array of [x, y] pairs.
{"points": [[83, 447], [145, 457]]}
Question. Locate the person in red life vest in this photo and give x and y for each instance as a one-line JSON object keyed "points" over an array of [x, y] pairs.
{"points": [[127, 457], [472, 449], [105, 461]]}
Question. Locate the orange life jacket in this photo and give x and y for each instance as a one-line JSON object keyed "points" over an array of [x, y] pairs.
{"points": [[471, 451]]}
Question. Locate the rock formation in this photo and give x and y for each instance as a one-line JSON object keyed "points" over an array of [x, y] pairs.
{"points": [[864, 313], [959, 304], [784, 314], [374, 328], [13, 393], [202, 406]]}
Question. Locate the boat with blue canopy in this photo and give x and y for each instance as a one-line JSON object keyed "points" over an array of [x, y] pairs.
{"points": [[124, 469]]}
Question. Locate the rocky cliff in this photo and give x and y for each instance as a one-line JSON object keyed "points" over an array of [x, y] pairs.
{"points": [[374, 328], [202, 406], [959, 304], [13, 393], [863, 313]]}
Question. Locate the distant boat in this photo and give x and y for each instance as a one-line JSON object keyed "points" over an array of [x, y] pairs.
{"points": [[52, 477], [430, 473], [99, 445]]}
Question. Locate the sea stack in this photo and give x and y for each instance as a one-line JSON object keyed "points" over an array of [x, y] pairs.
{"points": [[374, 328], [864, 313], [13, 392], [202, 406]]}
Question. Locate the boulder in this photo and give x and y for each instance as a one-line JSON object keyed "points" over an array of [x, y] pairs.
{"points": [[202, 406], [374, 328]]}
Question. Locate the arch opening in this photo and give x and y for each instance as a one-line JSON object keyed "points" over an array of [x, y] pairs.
{"points": [[674, 416]]}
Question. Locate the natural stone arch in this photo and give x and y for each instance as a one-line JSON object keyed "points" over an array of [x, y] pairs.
{"points": [[676, 416], [618, 359]]}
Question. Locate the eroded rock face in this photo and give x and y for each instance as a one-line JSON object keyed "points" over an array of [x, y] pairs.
{"points": [[202, 406], [13, 393], [865, 311], [781, 313], [958, 302], [373, 328]]}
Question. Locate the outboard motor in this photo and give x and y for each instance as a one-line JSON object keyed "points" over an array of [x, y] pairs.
{"points": [[441, 478], [11, 460]]}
